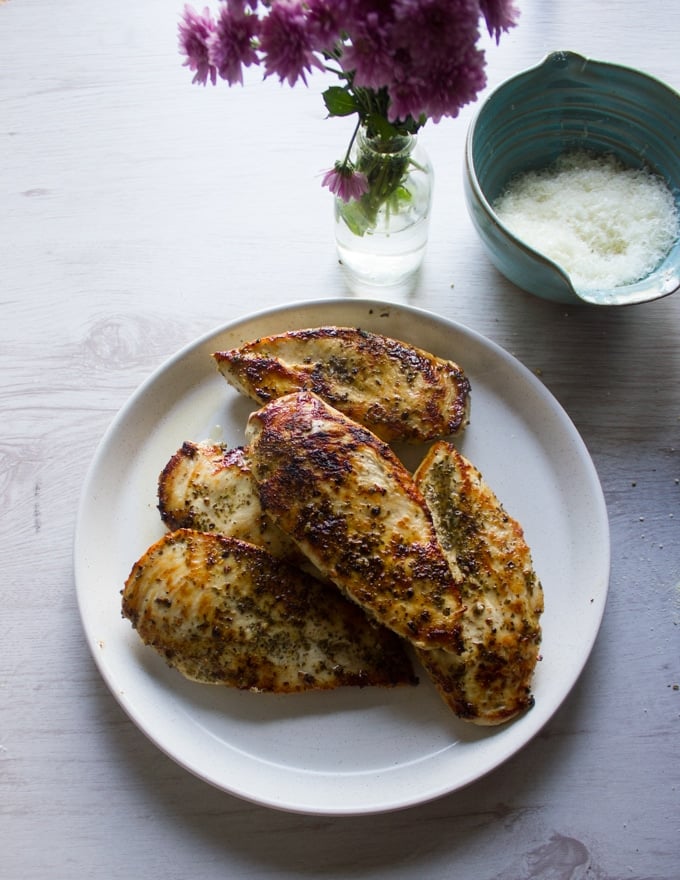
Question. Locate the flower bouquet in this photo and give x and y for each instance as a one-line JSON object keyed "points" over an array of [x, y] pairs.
{"points": [[398, 64]]}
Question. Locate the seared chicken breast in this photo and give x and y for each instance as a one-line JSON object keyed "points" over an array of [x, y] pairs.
{"points": [[396, 390], [354, 510], [222, 611], [489, 681], [208, 487]]}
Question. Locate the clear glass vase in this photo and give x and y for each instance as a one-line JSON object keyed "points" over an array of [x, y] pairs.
{"points": [[381, 237]]}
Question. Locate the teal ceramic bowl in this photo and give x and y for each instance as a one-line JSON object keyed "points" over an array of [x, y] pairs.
{"points": [[569, 102]]}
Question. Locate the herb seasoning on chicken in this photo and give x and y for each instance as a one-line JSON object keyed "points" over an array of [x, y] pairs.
{"points": [[490, 681], [354, 510], [207, 487], [222, 611], [396, 390]]}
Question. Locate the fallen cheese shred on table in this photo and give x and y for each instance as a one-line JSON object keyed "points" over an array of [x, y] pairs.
{"points": [[605, 224]]}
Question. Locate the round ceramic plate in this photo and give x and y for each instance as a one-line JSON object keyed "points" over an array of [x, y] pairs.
{"points": [[348, 751]]}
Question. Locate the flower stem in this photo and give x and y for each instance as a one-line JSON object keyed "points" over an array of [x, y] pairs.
{"points": [[345, 161]]}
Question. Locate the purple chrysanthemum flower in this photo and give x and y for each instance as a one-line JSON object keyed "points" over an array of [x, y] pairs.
{"points": [[195, 32], [370, 53], [500, 15], [241, 5], [285, 42], [440, 68], [344, 182], [325, 22], [231, 45], [443, 92], [429, 31], [423, 52], [406, 61]]}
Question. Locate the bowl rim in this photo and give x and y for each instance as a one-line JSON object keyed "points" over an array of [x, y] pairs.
{"points": [[587, 296]]}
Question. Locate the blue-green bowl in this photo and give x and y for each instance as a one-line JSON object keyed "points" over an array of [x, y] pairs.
{"points": [[569, 102]]}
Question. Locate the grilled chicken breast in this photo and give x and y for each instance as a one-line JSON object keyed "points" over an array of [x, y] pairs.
{"points": [[490, 680], [207, 487], [354, 510], [223, 611], [399, 392]]}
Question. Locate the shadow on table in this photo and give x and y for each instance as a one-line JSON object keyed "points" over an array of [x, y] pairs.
{"points": [[498, 815]]}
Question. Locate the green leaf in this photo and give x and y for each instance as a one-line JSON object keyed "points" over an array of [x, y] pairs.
{"points": [[339, 102], [355, 217], [378, 124]]}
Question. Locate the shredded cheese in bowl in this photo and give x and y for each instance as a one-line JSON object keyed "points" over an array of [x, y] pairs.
{"points": [[605, 224]]}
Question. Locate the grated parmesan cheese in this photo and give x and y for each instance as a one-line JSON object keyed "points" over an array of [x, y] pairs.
{"points": [[605, 224]]}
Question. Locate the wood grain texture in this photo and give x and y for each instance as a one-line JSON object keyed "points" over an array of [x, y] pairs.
{"points": [[139, 212]]}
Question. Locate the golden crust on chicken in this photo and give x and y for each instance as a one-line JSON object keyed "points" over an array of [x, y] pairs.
{"points": [[208, 487], [222, 611], [431, 557], [355, 512], [490, 680], [396, 390]]}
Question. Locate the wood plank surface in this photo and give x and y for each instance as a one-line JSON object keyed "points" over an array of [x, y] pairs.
{"points": [[138, 212]]}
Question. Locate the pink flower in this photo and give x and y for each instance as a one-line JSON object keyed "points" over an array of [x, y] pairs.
{"points": [[422, 52], [371, 51], [325, 21], [285, 42], [344, 182], [240, 5], [440, 90], [195, 32], [400, 62], [500, 15], [441, 69], [231, 44], [430, 32]]}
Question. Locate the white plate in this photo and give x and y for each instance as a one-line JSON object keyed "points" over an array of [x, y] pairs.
{"points": [[349, 751]]}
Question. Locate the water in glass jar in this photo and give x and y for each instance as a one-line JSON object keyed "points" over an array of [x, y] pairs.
{"points": [[382, 258]]}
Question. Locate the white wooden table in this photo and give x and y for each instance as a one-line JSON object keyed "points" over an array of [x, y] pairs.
{"points": [[138, 212]]}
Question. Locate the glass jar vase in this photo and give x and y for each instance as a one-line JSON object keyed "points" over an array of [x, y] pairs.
{"points": [[381, 237]]}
